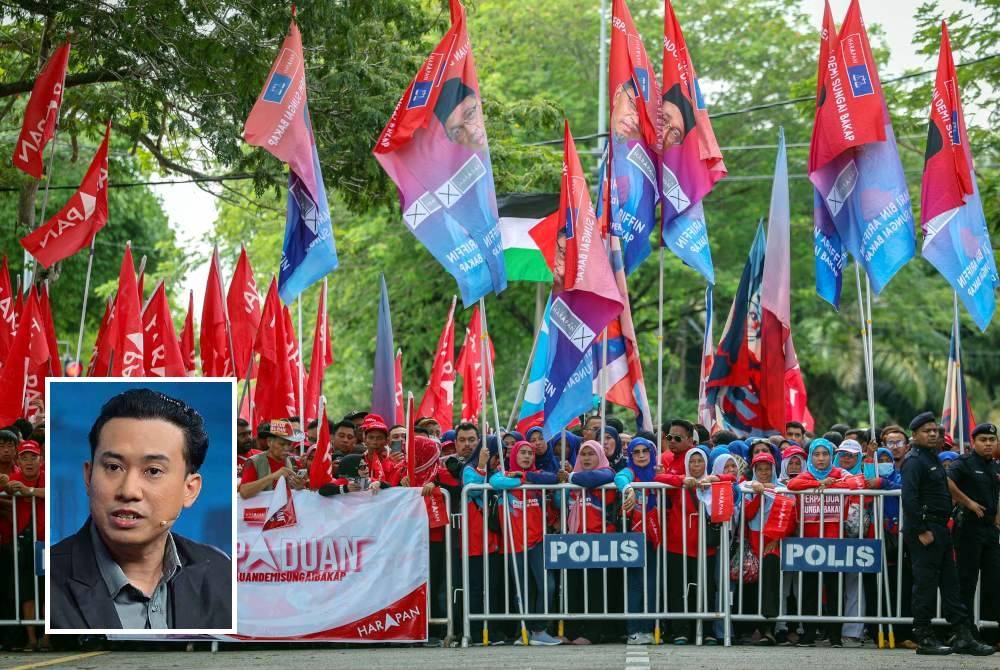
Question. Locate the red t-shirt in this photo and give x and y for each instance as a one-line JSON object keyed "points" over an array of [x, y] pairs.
{"points": [[249, 473], [24, 505]]}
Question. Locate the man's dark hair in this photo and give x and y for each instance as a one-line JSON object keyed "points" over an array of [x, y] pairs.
{"points": [[420, 430], [834, 436], [646, 435], [263, 429], [675, 95], [8, 436], [24, 427], [398, 425], [723, 438], [422, 421], [144, 403], [703, 435], [242, 423], [616, 424], [683, 423], [859, 434], [840, 428], [344, 423], [795, 424], [453, 91], [312, 424], [467, 425], [891, 428]]}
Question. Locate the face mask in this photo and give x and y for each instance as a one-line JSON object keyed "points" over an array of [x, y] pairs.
{"points": [[885, 469]]}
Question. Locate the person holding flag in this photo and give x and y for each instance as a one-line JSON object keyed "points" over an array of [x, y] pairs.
{"points": [[435, 149], [956, 239], [280, 123]]}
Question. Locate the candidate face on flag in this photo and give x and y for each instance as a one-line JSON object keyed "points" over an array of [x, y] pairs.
{"points": [[461, 113], [676, 117]]}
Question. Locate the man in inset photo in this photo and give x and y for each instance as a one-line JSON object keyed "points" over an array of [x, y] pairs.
{"points": [[125, 569]]}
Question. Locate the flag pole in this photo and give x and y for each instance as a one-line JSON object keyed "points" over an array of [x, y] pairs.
{"points": [[958, 375], [871, 352], [506, 507], [302, 400], [524, 378], [482, 370], [659, 360], [864, 346], [83, 311]]}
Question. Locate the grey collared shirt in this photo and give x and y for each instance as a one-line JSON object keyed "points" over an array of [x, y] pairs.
{"points": [[135, 609]]}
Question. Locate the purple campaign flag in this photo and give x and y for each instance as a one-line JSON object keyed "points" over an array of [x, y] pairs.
{"points": [[384, 378]]}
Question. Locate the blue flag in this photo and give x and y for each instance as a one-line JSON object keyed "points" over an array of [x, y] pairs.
{"points": [[308, 253], [831, 257], [384, 379]]}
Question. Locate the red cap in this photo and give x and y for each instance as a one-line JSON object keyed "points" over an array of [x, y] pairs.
{"points": [[793, 450], [762, 457], [29, 446], [374, 422]]}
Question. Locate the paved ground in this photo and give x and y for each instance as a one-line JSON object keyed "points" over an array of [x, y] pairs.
{"points": [[603, 657]]}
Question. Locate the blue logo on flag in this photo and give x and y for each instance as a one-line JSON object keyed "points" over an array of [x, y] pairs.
{"points": [[956, 137], [277, 87], [420, 94], [861, 83], [573, 551], [642, 79]]}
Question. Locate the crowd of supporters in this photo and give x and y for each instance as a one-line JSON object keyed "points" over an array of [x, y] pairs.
{"points": [[608, 463]]}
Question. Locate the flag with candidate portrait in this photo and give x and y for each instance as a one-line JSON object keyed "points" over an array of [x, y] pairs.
{"points": [[956, 239], [434, 148], [634, 100], [854, 164], [690, 158]]}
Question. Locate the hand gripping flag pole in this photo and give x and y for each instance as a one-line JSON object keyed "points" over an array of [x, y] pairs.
{"points": [[509, 531]]}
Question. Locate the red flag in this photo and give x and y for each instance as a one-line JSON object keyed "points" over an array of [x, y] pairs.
{"points": [[84, 214], [470, 367], [293, 356], [28, 355], [42, 113], [54, 368], [216, 360], [322, 357], [440, 393], [187, 337], [126, 360], [781, 519], [100, 357], [411, 451], [8, 318], [161, 350], [722, 502], [400, 418], [321, 470], [243, 304], [947, 176], [274, 397], [849, 110]]}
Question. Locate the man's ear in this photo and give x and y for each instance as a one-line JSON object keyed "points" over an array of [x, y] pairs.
{"points": [[87, 467], [192, 488]]}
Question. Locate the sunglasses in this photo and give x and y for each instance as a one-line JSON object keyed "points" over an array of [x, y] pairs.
{"points": [[670, 437], [895, 443], [640, 450]]}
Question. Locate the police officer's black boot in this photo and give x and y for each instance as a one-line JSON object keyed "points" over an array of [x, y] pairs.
{"points": [[928, 644], [966, 643]]}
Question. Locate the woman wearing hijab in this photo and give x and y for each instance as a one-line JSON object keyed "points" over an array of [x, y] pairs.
{"points": [[765, 546], [545, 458], [792, 460], [613, 448], [715, 453], [683, 541], [512, 438], [849, 459], [591, 510], [822, 517], [522, 542], [483, 540], [724, 467], [640, 510]]}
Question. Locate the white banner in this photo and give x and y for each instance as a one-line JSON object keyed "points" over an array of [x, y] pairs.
{"points": [[350, 568]]}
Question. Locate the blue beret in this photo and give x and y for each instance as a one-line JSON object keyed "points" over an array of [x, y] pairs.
{"points": [[921, 419], [985, 429]]}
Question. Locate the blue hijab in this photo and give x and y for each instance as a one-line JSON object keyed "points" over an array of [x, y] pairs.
{"points": [[739, 448], [448, 436], [516, 435], [820, 443], [647, 472], [715, 453], [616, 461], [547, 461]]}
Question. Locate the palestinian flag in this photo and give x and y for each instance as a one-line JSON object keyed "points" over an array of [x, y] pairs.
{"points": [[519, 213]]}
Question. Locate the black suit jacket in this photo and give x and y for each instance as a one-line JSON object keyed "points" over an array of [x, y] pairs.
{"points": [[200, 593]]}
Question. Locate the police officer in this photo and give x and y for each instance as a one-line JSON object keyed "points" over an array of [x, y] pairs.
{"points": [[926, 509], [975, 484]]}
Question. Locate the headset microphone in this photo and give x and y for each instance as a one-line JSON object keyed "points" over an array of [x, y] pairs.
{"points": [[164, 523]]}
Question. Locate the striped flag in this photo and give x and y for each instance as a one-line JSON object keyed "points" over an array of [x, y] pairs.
{"points": [[519, 213], [956, 400]]}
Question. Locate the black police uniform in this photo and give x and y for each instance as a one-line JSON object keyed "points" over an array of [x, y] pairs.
{"points": [[927, 507], [977, 541]]}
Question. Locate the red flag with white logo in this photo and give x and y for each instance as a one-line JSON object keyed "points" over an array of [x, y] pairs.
{"points": [[400, 411], [8, 318], [322, 358], [439, 396], [84, 214], [54, 369], [28, 354], [100, 357], [42, 114], [243, 303], [470, 366], [161, 351], [187, 337], [293, 357], [273, 397], [321, 470], [127, 359], [216, 360]]}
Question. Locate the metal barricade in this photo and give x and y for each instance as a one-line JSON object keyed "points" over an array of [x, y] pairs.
{"points": [[13, 561], [696, 606], [448, 620]]}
